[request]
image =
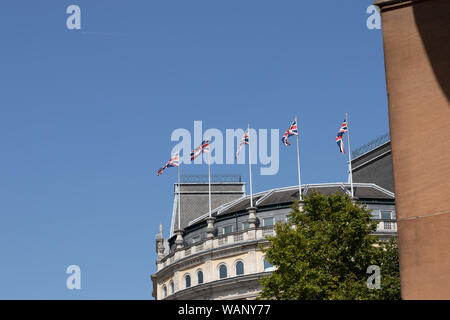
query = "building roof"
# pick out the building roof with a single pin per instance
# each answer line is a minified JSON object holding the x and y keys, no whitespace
{"x":194,"y":200}
{"x":375,"y":166}
{"x":287,"y":195}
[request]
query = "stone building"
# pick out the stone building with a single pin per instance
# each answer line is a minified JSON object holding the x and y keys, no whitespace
{"x":219,"y":256}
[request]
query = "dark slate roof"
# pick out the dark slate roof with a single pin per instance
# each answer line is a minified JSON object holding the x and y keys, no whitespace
{"x":279,"y":196}
{"x":236,"y":206}
{"x":195,"y":200}
{"x":288,"y":195}
{"x":368,"y":192}
{"x":326,"y":190}
{"x":375,"y":166}
{"x":362,"y":191}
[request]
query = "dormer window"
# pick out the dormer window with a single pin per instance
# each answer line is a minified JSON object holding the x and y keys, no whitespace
{"x":227,"y":229}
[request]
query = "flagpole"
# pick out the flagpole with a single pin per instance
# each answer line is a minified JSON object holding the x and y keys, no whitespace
{"x":298,"y":166}
{"x":209,"y":179}
{"x":349,"y":155}
{"x":179,"y":197}
{"x":250,"y":166}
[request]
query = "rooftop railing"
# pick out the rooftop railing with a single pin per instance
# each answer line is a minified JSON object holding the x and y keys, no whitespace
{"x":203,"y":178}
{"x":371,"y":145}
{"x":384,"y":226}
{"x":387,"y":226}
{"x":217,"y":242}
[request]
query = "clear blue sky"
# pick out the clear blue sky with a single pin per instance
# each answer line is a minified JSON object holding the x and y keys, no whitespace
{"x":86,"y":118}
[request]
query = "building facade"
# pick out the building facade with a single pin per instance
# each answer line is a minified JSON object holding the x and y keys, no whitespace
{"x":372,"y":163}
{"x":218,"y":255}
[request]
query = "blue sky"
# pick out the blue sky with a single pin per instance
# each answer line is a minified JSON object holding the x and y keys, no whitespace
{"x":87,"y":115}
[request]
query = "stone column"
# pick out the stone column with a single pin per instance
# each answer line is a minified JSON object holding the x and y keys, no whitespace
{"x":301,"y":205}
{"x":177,"y":282}
{"x":252,"y":263}
{"x":210,"y":229}
{"x":252,"y":223}
{"x":179,"y":239}
{"x":208,"y":274}
{"x":160,"y":244}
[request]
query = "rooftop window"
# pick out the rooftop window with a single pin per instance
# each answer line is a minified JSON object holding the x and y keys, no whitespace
{"x":386,"y":215}
{"x":268,"y":221}
{"x":227,"y":229}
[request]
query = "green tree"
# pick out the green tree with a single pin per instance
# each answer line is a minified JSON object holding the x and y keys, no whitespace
{"x":323,"y":252}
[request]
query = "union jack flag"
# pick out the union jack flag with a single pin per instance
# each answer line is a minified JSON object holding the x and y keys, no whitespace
{"x":244,"y":140}
{"x":173,"y":162}
{"x":340,"y":135}
{"x":204,"y":147}
{"x":340,"y":142}
{"x":344,"y":127}
{"x":292,"y":131}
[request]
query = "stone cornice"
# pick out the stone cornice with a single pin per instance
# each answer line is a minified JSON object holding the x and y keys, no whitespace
{"x":217,"y":285}
{"x":211,"y":253}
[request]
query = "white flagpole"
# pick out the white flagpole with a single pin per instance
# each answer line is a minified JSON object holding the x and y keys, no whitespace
{"x":179,"y":197}
{"x":250,"y":167}
{"x":209,"y":177}
{"x":298,"y":166}
{"x":349,"y":156}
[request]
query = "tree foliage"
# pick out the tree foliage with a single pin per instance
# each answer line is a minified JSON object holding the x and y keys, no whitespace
{"x":323,"y":252}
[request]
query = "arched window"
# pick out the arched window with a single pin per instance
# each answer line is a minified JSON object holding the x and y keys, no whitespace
{"x":164,"y":291}
{"x":239,"y":268}
{"x":172,"y":287}
{"x":187,"y":281}
{"x":223,"y":271}
{"x":268,"y":266}
{"x":200,"y":277}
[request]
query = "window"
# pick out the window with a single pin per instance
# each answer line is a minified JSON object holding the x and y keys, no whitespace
{"x":268,"y":221}
{"x":239,"y":268}
{"x":187,"y":280}
{"x":223,"y":272}
{"x":227,"y":229}
{"x":268,"y":266}
{"x":200,"y":277}
{"x":164,"y":291}
{"x":376,"y":214}
{"x":245,"y":225}
{"x":172,"y":287}
{"x":386,"y":215}
{"x":196,"y":239}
